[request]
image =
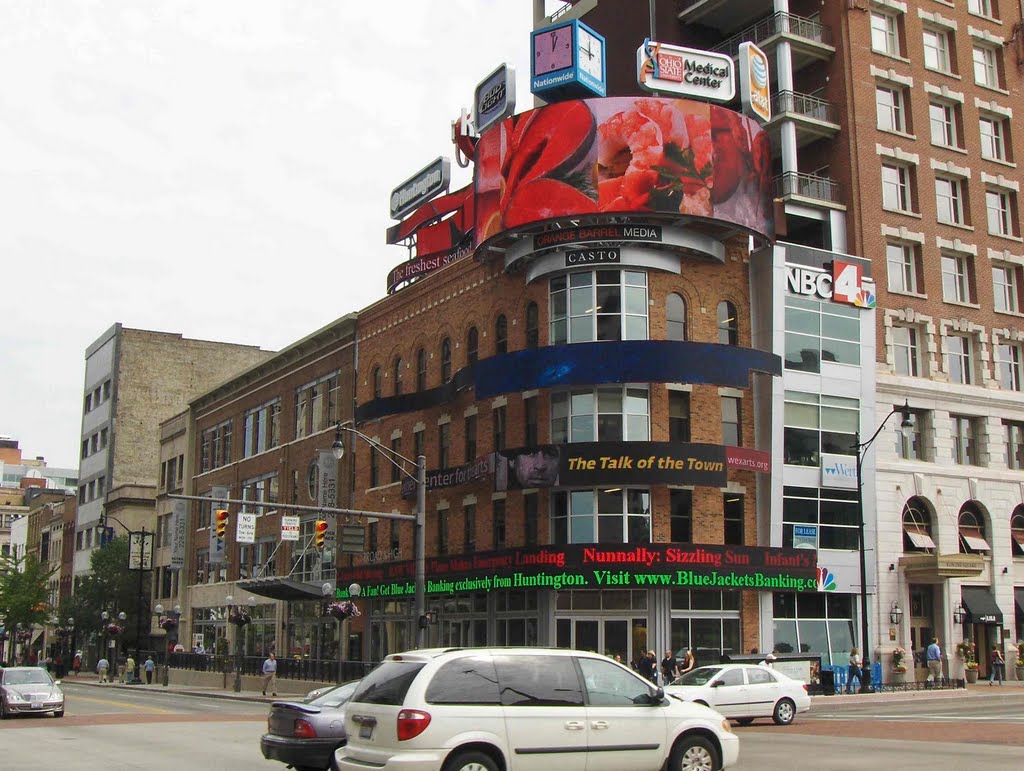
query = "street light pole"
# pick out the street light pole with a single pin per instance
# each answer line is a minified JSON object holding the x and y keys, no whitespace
{"x":419,"y":540}
{"x":862,"y":447}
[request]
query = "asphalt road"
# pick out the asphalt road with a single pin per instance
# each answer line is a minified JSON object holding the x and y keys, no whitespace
{"x":162,"y":730}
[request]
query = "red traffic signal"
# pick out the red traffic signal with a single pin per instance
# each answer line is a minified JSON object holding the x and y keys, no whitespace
{"x":320,"y":533}
{"x":220,"y":517}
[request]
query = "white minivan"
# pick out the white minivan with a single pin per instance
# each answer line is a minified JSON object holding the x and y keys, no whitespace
{"x":525,"y":709}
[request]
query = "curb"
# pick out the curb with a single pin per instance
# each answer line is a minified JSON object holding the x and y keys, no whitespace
{"x":224,"y":696}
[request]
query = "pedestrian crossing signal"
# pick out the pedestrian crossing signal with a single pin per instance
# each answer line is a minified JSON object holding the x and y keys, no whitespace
{"x":320,"y":533}
{"x":221,"y":520}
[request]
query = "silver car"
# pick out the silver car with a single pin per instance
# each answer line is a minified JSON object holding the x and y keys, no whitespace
{"x":305,"y":734}
{"x":29,"y":690}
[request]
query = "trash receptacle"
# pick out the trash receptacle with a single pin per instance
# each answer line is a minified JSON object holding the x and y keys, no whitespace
{"x":827,"y":678}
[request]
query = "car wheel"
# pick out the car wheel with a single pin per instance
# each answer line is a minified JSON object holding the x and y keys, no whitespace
{"x":59,"y":713}
{"x":471,"y":761}
{"x":693,"y":753}
{"x":744,"y":720}
{"x":784,"y":712}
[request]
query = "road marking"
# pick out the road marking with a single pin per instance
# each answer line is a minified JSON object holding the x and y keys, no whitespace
{"x":924,"y":717}
{"x":128,"y":705}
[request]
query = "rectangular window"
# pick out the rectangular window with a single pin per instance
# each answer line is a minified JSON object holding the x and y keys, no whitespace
{"x":885,"y":38}
{"x":600,"y":305}
{"x":443,"y":444}
{"x":104,"y":438}
{"x":910,"y":440}
{"x":949,"y":201}
{"x":732,"y":433}
{"x":732,"y":509}
{"x":261,"y":489}
{"x":531,"y":420}
{"x":817,"y":423}
{"x":531,"y":519}
{"x":957,"y":278}
{"x":942,"y":120}
{"x":1006,"y":288}
{"x":986,"y":66}
{"x":498,"y":427}
{"x":419,"y":443}
{"x":681,"y":525}
{"x":262,"y":428}
{"x":604,"y":414}
{"x":818,"y":331}
{"x":896,"y":187}
{"x":469,"y":429}
{"x":903,"y":261}
{"x":936,"y":50}
{"x":906,"y":354}
{"x":302,"y":412}
{"x":396,"y":448}
{"x":469,"y":528}
{"x":964,"y":440}
{"x":834,"y":511}
{"x":1000,"y":206}
{"x":890,"y":108}
{"x":678,"y":416}
{"x":88,"y":402}
{"x":374,"y":468}
{"x":442,"y":531}
{"x":1008,"y":363}
{"x":959,"y":363}
{"x":498,"y":526}
{"x":982,"y":8}
{"x":1014,"y":444}
{"x":993,"y":138}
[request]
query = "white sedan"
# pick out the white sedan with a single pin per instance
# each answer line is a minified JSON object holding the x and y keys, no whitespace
{"x":744,"y":692}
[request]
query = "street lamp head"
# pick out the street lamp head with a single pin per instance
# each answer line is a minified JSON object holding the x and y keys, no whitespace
{"x":354,"y":590}
{"x":122,"y":616}
{"x":104,"y":615}
{"x":177,"y":610}
{"x":338,"y":448}
{"x":71,"y":620}
{"x":906,"y":422}
{"x":229,"y":600}
{"x":251,"y":601}
{"x":325,"y":589}
{"x":958,"y":613}
{"x":159,"y":609}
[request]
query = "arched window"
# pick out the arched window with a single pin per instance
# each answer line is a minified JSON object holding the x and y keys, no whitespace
{"x":446,"y":360}
{"x":728,"y":324}
{"x":501,"y":335}
{"x":1017,"y":532}
{"x":917,"y":527}
{"x":532,"y":325}
{"x":398,"y":375}
{"x":472,"y":345}
{"x":377,"y":383}
{"x":971,"y":525}
{"x":421,"y":370}
{"x":675,"y":317}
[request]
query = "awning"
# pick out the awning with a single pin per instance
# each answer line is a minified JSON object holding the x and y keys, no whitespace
{"x":920,"y":540}
{"x":980,"y":605}
{"x":974,"y":539}
{"x":283,"y":589}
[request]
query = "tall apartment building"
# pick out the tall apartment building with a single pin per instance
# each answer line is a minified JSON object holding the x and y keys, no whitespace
{"x":893,"y":142}
{"x":134,"y":380}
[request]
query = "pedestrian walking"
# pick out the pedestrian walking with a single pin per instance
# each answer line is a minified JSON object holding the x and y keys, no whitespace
{"x":647,"y":666}
{"x":669,"y":667}
{"x":933,"y":657}
{"x":997,"y":663}
{"x":76,"y":665}
{"x":270,"y":675}
{"x":150,"y":667}
{"x":58,"y":666}
{"x":101,"y":669}
{"x":854,"y":670}
{"x":688,"y":663}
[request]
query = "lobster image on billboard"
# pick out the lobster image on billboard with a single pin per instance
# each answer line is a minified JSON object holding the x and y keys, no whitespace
{"x":624,"y":155}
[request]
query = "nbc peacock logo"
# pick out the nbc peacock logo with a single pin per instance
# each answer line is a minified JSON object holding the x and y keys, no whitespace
{"x":826,"y":580}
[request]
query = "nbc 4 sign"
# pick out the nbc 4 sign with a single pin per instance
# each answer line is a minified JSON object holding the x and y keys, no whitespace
{"x":826,"y":580}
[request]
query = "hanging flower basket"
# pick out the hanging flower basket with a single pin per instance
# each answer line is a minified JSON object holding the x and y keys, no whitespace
{"x":899,"y":659}
{"x":23,"y":635}
{"x":168,"y":623}
{"x":240,"y":617}
{"x":342,"y":609}
{"x":114,"y":629}
{"x":63,"y":631}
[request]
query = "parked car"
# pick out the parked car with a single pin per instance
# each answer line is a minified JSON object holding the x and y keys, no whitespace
{"x":744,"y":692}
{"x":304,"y":734}
{"x":524,"y":709}
{"x":29,"y":690}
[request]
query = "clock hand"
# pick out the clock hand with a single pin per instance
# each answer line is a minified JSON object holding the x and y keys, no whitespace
{"x":554,"y":40}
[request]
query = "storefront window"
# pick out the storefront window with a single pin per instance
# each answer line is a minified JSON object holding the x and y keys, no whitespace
{"x":708,"y":622}
{"x":601,"y":516}
{"x":815,"y":623}
{"x":598,"y":305}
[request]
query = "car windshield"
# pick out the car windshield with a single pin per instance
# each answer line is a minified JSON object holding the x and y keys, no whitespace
{"x":26,"y":677}
{"x":335,"y":697}
{"x":699,"y":676}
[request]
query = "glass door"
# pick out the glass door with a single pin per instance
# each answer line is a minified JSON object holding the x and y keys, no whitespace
{"x":619,"y":638}
{"x":921,"y":627}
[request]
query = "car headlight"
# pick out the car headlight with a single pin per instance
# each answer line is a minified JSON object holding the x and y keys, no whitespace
{"x":13,"y":695}
{"x":726,"y":727}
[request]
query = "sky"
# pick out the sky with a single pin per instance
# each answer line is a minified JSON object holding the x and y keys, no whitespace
{"x":216,"y":168}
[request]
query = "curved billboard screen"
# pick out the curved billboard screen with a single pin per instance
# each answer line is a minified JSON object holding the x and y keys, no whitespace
{"x":624,"y":155}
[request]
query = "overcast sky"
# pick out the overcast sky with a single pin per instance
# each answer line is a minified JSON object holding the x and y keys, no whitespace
{"x":218,"y":168}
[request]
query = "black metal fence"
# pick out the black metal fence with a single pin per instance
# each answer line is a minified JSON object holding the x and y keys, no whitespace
{"x":321,"y":670}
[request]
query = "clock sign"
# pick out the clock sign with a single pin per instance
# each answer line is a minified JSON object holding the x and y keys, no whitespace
{"x":567,"y":62}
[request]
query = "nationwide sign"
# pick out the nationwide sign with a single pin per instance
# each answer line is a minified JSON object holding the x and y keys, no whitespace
{"x":665,"y":68}
{"x":596,"y":566}
{"x":420,"y":188}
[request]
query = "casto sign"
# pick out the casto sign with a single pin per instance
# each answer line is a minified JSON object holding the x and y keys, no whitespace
{"x":592,"y":256}
{"x":597,"y":566}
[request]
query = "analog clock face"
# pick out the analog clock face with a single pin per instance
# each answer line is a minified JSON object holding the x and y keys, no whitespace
{"x":552,"y":50}
{"x":591,"y":55}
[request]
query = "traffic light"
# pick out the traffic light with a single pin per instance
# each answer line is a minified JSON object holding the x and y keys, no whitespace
{"x":320,"y":533}
{"x":221,"y":519}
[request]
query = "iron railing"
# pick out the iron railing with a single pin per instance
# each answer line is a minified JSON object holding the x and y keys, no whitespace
{"x":807,"y":186}
{"x":806,"y":105}
{"x":777,"y":24}
{"x":319,"y":670}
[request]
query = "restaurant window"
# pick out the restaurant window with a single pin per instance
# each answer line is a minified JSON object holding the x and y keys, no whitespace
{"x":971,"y":529}
{"x":586,"y":306}
{"x":917,"y":527}
{"x":614,"y":515}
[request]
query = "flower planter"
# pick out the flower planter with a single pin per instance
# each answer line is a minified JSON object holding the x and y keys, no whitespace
{"x":1019,"y":671}
{"x":971,"y":675}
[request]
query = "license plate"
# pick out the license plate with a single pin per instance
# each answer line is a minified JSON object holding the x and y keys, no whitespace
{"x":365,"y":730}
{"x":37,"y":705}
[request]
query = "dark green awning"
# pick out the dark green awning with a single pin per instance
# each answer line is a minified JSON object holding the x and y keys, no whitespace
{"x":980,"y":606}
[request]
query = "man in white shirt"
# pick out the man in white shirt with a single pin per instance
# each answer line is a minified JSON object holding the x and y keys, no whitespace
{"x":270,"y":675}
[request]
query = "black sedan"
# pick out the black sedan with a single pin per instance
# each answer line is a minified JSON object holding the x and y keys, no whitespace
{"x":305,"y":734}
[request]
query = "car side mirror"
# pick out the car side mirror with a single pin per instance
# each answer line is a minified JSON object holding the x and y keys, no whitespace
{"x":658,"y":696}
{"x":56,"y":682}
{"x":716,"y":684}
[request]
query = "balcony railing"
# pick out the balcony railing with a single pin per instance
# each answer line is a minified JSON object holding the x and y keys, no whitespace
{"x":806,"y":105}
{"x":778,"y":24}
{"x":807,"y":186}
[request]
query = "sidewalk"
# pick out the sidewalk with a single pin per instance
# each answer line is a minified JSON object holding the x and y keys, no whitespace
{"x":285,"y":691}
{"x":981,"y":688}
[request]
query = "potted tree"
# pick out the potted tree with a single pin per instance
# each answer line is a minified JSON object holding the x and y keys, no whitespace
{"x":899,"y":664}
{"x":965,"y":649}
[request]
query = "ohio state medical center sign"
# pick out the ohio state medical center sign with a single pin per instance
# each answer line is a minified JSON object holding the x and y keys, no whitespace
{"x":596,"y":566}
